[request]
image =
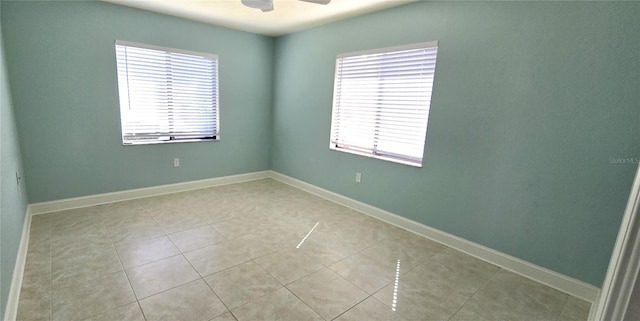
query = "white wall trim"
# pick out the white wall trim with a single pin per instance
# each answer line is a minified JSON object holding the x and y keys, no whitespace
{"x":529,"y":270}
{"x":11,"y":309}
{"x":622,"y":274}
{"x":97,"y":199}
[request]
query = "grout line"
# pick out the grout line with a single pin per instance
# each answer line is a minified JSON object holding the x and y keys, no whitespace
{"x":566,"y":300}
{"x":355,"y":305}
{"x":169,"y":289}
{"x":100,"y":213}
{"x":246,"y":303}
{"x":305,"y":303}
{"x":100,"y":217}
{"x":126,"y":275}
{"x":367,"y":293}
{"x":487,"y":281}
{"x":217,"y":296}
{"x":141,"y":311}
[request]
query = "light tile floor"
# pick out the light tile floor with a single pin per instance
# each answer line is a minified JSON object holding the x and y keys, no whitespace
{"x":261,"y":250}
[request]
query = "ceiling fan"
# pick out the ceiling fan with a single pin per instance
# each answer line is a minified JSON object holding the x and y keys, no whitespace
{"x":267,"y":5}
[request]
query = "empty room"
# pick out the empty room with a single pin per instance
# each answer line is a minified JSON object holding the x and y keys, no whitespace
{"x":318,"y":160}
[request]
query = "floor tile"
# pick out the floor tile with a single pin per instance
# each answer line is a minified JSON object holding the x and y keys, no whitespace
{"x":37,"y":219}
{"x":289,"y":264}
{"x":261,"y":242}
{"x":72,"y":245}
{"x":241,"y":284}
{"x":120,"y":212}
{"x":93,"y":231}
{"x":326,"y":250}
{"x":227,"y":316}
{"x":35,"y":300}
{"x":129,"y":312}
{"x":80,"y":299}
{"x":137,"y":228}
{"x":177,"y":221}
{"x":280,"y":305}
{"x":189,"y":302}
{"x":411,"y":239}
{"x":435,"y":290}
{"x":161,"y":275}
{"x":508,"y":296}
{"x":216,"y":257}
{"x":223,"y":210}
{"x":575,"y":310}
{"x":121,"y":220}
{"x":371,"y":310}
{"x":452,"y":265}
{"x":159,"y":205}
{"x":234,"y":227}
{"x":137,"y":253}
{"x":83,"y":261}
{"x":196,"y":238}
{"x":469,"y":314}
{"x":327,"y":293}
{"x":38,"y":264}
{"x":73,"y":218}
{"x":365,"y":272}
{"x":297,"y":220}
{"x":40,"y":232}
{"x":388,"y":252}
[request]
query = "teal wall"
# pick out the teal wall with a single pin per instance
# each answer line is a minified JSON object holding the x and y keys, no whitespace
{"x":63,"y":77}
{"x":531,"y":101}
{"x":13,"y":206}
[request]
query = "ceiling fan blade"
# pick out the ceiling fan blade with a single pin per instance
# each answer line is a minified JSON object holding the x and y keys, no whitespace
{"x":259,"y":4}
{"x":268,"y":9}
{"x":317,"y":1}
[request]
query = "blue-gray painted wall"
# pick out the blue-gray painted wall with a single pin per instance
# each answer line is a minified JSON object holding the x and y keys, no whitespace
{"x":13,"y":199}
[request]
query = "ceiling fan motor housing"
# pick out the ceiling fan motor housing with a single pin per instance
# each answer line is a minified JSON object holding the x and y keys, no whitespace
{"x":258,"y":4}
{"x":267,"y":5}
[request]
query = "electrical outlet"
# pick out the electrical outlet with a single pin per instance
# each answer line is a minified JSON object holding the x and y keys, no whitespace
{"x":176,"y":162}
{"x":358,"y":177}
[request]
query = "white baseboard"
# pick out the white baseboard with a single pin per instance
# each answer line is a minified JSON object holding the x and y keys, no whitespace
{"x":91,"y":200}
{"x":529,"y":270}
{"x":11,"y":310}
{"x":540,"y":274}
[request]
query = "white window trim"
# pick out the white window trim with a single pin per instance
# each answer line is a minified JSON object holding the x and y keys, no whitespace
{"x":182,"y":51}
{"x":428,"y":44}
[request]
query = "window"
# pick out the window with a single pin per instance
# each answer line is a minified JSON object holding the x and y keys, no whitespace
{"x":166,"y":95}
{"x":381,"y":102}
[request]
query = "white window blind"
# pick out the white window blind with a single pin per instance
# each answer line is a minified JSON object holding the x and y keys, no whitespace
{"x":166,"y":95}
{"x":381,"y":102}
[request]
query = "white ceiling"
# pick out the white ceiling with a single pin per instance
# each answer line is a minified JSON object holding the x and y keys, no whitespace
{"x":288,"y":16}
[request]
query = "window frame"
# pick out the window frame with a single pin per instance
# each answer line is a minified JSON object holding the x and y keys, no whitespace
{"x":171,"y":139}
{"x":371,"y":152}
